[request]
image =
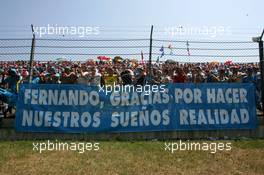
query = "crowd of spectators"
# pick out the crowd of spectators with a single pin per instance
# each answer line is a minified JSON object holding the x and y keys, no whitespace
{"x":125,"y":71}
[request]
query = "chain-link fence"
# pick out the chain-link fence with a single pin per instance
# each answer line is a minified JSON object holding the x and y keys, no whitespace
{"x":199,"y":51}
{"x":162,"y":50}
{"x":245,"y":54}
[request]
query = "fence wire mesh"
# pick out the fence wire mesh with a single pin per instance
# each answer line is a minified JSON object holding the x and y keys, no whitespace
{"x":81,"y":50}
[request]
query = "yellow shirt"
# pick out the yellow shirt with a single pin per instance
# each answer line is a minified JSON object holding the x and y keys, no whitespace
{"x":110,"y":80}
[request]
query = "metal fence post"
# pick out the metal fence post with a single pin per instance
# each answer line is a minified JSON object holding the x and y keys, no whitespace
{"x":261,"y":60}
{"x":31,"y":55}
{"x":150,"y":57}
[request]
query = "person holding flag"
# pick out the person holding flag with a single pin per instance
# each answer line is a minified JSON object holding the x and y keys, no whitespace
{"x":161,"y":55}
{"x":170,"y":47}
{"x":162,"y":51}
{"x":188,"y":49}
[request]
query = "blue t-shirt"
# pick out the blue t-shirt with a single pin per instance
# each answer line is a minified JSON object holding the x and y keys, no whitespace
{"x":249,"y":79}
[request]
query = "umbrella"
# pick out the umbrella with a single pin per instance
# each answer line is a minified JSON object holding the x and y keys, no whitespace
{"x":61,"y":59}
{"x":228,"y":62}
{"x":170,"y":61}
{"x":215,"y":62}
{"x":103,"y":58}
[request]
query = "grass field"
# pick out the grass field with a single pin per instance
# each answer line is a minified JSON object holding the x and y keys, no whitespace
{"x":114,"y":157}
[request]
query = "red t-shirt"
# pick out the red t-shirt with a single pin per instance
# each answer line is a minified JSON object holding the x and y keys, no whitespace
{"x":180,"y":78}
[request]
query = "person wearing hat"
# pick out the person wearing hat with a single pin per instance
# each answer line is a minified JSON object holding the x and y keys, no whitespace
{"x":68,"y":76}
{"x":35,"y":76}
{"x":235,"y":76}
{"x":12,"y":80}
{"x":249,"y":77}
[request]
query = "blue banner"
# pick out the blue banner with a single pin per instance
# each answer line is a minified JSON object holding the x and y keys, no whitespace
{"x":80,"y":108}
